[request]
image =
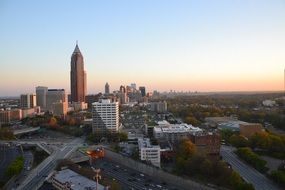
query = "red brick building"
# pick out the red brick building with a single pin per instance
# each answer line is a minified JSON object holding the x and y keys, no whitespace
{"x":208,"y":142}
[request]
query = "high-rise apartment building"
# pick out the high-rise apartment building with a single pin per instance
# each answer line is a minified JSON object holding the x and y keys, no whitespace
{"x":107,"y":88}
{"x":28,"y":101}
{"x":41,"y":93}
{"x":105,"y":115}
{"x":77,"y":76}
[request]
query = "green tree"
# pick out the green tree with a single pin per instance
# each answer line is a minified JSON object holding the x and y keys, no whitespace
{"x":15,"y":167}
{"x":279,"y":177}
{"x":192,"y":120}
{"x":238,"y":141}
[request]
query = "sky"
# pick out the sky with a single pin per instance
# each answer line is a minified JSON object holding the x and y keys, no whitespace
{"x":189,"y":45}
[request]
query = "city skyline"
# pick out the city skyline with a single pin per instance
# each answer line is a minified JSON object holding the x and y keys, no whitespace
{"x":183,"y":45}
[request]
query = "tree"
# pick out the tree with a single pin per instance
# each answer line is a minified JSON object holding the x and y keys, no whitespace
{"x":115,"y":185}
{"x":238,"y":141}
{"x":192,"y":120}
{"x":15,"y":167}
{"x":6,"y":134}
{"x":53,"y":122}
{"x":186,"y":149}
{"x":278,"y":176}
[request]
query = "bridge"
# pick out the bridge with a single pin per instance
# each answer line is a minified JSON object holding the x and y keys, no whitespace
{"x":25,"y":130}
{"x":80,"y":159}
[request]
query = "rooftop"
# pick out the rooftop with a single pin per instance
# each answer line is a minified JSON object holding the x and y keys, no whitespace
{"x":76,"y":181}
{"x":165,"y":127}
{"x":145,"y":143}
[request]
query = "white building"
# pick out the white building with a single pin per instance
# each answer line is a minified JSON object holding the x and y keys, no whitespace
{"x":149,"y":152}
{"x":105,"y":115}
{"x":70,"y":180}
{"x":173,"y":132}
{"x":269,"y":103}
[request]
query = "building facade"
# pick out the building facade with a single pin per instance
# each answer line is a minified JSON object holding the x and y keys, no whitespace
{"x":148,"y":152}
{"x":56,"y":101}
{"x":41,"y":93}
{"x":142,"y":90}
{"x":105,"y":115}
{"x":107,"y":88}
{"x":5,"y":117}
{"x":160,"y":107}
{"x":207,"y":142}
{"x":77,"y":76}
{"x":28,"y":101}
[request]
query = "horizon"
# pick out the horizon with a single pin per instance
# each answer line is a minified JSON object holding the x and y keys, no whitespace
{"x":204,"y":46}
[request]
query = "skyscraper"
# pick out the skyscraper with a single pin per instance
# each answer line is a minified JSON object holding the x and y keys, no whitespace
{"x":28,"y":100}
{"x":77,"y":76}
{"x":142,"y":90}
{"x":41,"y":93}
{"x":107,"y":88}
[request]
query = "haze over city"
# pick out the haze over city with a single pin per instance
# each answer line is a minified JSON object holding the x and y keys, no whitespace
{"x":163,"y":45}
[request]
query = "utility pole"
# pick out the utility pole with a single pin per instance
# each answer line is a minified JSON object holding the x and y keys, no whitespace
{"x":97,"y":176}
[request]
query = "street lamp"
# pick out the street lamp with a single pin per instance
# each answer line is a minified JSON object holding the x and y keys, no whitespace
{"x":97,"y":176}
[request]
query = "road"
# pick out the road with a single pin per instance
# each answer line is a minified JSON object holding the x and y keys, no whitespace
{"x":39,"y":174}
{"x":7,"y":154}
{"x":130,"y":178}
{"x":259,"y":181}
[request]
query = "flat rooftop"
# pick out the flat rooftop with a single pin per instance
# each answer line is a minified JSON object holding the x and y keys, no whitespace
{"x":76,"y":181}
{"x":176,"y":128}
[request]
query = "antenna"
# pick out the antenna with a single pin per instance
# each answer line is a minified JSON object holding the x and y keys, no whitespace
{"x":76,"y":42}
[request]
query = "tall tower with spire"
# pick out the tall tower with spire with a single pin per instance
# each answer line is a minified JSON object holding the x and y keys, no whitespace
{"x":77,"y":76}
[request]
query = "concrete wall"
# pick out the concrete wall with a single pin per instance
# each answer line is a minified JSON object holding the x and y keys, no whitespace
{"x":183,"y":184}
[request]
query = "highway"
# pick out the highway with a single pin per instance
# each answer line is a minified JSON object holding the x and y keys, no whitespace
{"x":39,"y":174}
{"x":249,"y":174}
{"x":130,"y":178}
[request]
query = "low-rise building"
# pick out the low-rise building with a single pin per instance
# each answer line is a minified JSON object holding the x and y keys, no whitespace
{"x":207,"y":142}
{"x":148,"y":152}
{"x":174,"y":132}
{"x":70,"y":180}
{"x":5,"y":117}
{"x":250,"y":129}
{"x":16,"y":114}
{"x":78,"y":106}
{"x":244,"y":128}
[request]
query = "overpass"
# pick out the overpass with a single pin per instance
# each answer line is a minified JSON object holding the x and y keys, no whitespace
{"x":80,"y":159}
{"x":31,"y":143}
{"x":25,"y":130}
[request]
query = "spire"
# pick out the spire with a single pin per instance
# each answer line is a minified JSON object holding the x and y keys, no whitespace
{"x":76,"y":50}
